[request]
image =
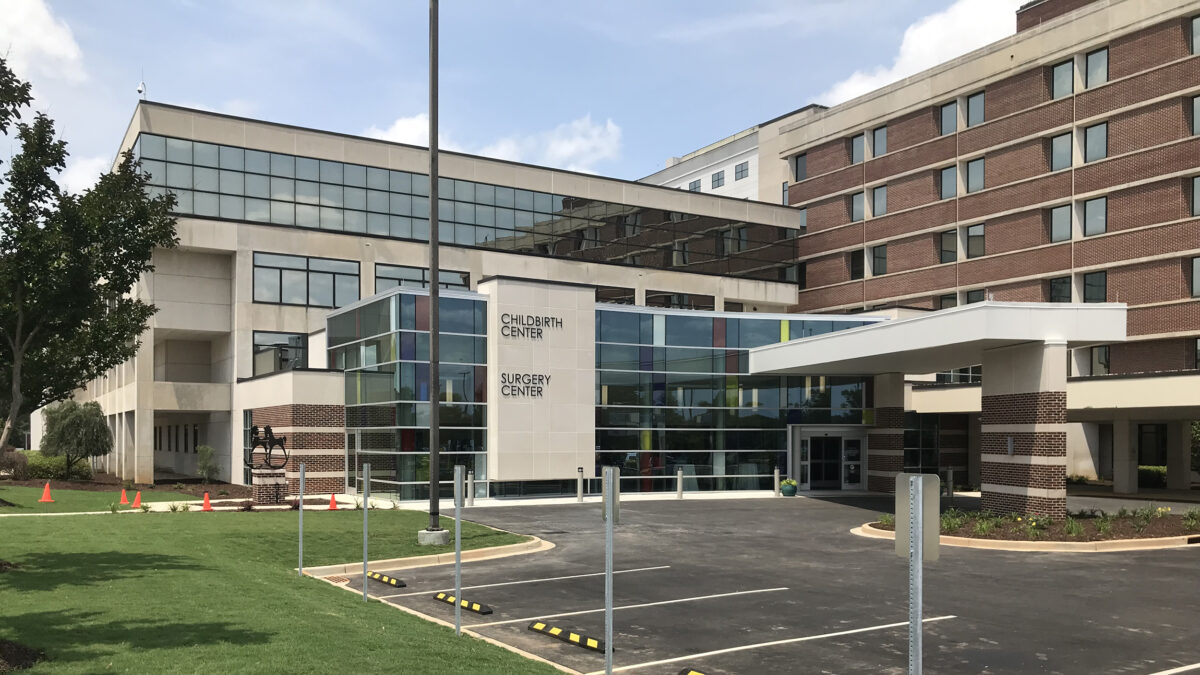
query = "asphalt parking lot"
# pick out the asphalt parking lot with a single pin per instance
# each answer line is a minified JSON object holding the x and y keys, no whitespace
{"x":781,"y":586}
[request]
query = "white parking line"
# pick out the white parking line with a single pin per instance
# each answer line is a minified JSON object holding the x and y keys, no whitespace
{"x":525,"y":581}
{"x":774,"y":643}
{"x":644,"y":604}
{"x":1180,"y":669}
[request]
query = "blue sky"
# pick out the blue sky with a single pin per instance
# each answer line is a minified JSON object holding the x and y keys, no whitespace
{"x":610,"y":87}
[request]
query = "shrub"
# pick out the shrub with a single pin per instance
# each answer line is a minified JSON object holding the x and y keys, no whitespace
{"x":115,"y":507}
{"x":1072,"y":527}
{"x":206,"y":466}
{"x":1152,"y":476}
{"x":126,"y":485}
{"x":984,"y":526}
{"x":1076,"y":479}
{"x":15,"y":464}
{"x":953,"y":519}
{"x":1191,"y":519}
{"x":1104,"y":524}
{"x":41,"y":467}
{"x":173,"y":507}
{"x":887,"y":520}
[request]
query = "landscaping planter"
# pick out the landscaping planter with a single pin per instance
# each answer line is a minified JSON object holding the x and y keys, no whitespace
{"x":788,"y":490}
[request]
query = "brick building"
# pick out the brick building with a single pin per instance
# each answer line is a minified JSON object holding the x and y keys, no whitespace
{"x":1061,"y":164}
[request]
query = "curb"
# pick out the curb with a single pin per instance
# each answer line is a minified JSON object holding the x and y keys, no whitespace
{"x":534,"y":545}
{"x":1150,"y":544}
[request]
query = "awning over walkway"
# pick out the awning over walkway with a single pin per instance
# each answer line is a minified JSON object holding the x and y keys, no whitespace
{"x":942,"y":340}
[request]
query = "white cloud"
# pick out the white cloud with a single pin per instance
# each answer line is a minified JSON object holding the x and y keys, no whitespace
{"x":962,"y":27}
{"x":82,"y":172}
{"x":37,"y":44}
{"x":577,"y":145}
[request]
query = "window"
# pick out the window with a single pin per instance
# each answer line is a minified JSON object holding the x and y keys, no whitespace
{"x":1060,"y":223}
{"x":784,"y":199}
{"x":296,"y":280}
{"x":1100,"y":360}
{"x":694,"y":186}
{"x":1195,"y":35}
{"x":975,"y":296}
{"x":681,"y":253}
{"x":1095,"y":142}
{"x":1095,"y":216}
{"x":879,"y":142}
{"x":975,"y":175}
{"x":949,"y":118}
{"x":803,"y":220}
{"x":1062,"y":79}
{"x":947,"y":301}
{"x":975,"y":246}
{"x":1196,"y":115}
{"x":1097,"y":68}
{"x":800,"y":167}
{"x":879,"y":259}
{"x":949,"y":246}
{"x":795,"y":273}
{"x":274,"y":352}
{"x":879,"y":201}
{"x":1196,"y":278}
{"x":1095,"y":287}
{"x":741,"y":171}
{"x":1060,"y":152}
{"x":1060,"y":289}
{"x":856,"y":207}
{"x":856,"y":148}
{"x":391,"y":276}
{"x":1196,"y":196}
{"x":718,"y":179}
{"x":975,"y":114}
{"x":949,"y":182}
{"x":856,"y":264}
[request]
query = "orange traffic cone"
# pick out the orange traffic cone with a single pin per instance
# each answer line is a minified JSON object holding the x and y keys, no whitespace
{"x":332,"y":500}
{"x":124,"y":497}
{"x":137,"y":500}
{"x":207,"y":506}
{"x":46,"y":493}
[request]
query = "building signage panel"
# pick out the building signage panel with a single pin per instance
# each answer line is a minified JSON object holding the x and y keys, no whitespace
{"x":542,"y":380}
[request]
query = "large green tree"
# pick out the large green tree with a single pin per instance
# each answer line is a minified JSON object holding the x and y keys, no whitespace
{"x":68,"y":263}
{"x":75,"y":432}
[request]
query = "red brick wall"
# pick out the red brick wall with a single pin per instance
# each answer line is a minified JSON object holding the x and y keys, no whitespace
{"x":1016,"y":231}
{"x":1147,"y":48}
{"x":912,"y":191}
{"x":1157,"y":281}
{"x":1152,"y":356}
{"x":1016,"y":162}
{"x":1014,"y":94}
{"x":830,"y":269}
{"x":1151,"y":125}
{"x":1043,"y":407}
{"x":828,"y":156}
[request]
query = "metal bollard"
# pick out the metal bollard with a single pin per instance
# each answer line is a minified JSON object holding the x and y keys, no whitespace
{"x":776,"y":481}
{"x":470,"y":488}
{"x":679,"y":483}
{"x":579,"y":486}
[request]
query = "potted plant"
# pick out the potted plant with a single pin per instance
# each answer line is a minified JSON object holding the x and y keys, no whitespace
{"x":787,"y":487}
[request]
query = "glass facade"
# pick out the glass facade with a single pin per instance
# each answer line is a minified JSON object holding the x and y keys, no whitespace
{"x":383,"y":347}
{"x":673,"y":393}
{"x":240,"y":184}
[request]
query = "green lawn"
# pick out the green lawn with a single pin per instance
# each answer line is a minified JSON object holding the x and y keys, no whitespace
{"x":67,"y":501}
{"x":218,"y":592}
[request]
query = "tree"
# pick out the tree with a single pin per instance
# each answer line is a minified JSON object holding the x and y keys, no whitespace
{"x":75,"y":431}
{"x":206,"y":466}
{"x":68,"y":264}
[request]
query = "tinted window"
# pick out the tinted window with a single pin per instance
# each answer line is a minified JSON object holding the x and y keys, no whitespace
{"x":949,"y":182}
{"x":975,"y":175}
{"x":879,"y":201}
{"x":1060,"y":289}
{"x":975,"y":246}
{"x":1095,"y":216}
{"x":1060,"y":152}
{"x":975,"y":112}
{"x":1095,"y":287}
{"x":1095,"y":142}
{"x":949,"y":118}
{"x":856,"y":207}
{"x":856,"y":149}
{"x":1060,"y":223}
{"x":1062,"y":79}
{"x":879,"y":141}
{"x":949,"y":246}
{"x":1097,"y":68}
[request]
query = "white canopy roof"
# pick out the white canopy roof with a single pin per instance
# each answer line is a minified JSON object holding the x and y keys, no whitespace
{"x":942,"y":340}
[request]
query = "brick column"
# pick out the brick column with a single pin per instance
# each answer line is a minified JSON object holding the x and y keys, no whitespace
{"x":270,"y":486}
{"x":885,"y":440}
{"x":1023,"y":430}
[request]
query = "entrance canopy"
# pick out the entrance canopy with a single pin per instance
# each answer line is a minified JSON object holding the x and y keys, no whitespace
{"x":942,"y":340}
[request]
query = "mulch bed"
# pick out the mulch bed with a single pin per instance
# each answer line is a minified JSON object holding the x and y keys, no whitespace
{"x":104,"y":482}
{"x":1128,"y":527}
{"x":16,"y":656}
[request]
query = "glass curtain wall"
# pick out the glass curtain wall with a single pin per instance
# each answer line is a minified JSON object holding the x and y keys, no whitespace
{"x":240,"y":184}
{"x":383,"y":346}
{"x":673,"y":393}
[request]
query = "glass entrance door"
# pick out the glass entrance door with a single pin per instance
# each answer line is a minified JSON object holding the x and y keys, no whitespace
{"x":825,"y":470}
{"x":852,"y":463}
